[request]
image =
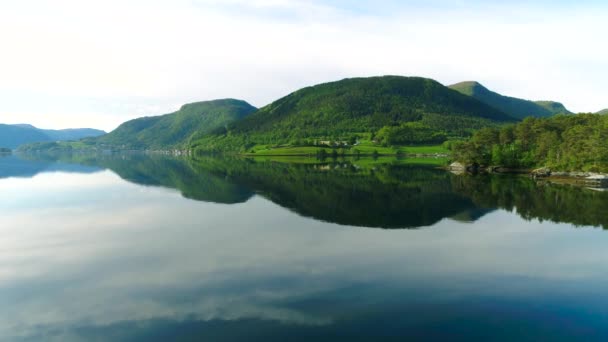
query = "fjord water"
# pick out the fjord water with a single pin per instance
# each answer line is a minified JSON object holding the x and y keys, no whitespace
{"x":145,"y":248}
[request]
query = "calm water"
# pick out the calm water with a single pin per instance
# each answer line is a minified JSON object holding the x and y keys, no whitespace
{"x":135,"y":248}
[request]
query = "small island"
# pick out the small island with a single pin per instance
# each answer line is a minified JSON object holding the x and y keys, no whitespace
{"x":4,"y":150}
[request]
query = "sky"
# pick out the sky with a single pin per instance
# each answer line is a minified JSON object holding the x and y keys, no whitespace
{"x":70,"y":63}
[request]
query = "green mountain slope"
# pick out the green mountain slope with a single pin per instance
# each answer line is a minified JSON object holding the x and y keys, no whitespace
{"x":603,"y":111}
{"x":12,"y":136}
{"x":553,"y":107}
{"x":356,"y":105}
{"x":513,"y":106}
{"x":192,"y":120}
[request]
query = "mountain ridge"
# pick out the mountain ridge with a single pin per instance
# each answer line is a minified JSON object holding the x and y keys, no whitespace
{"x":385,"y":111}
{"x":513,"y":106}
{"x":176,"y":128}
{"x":355,"y":105}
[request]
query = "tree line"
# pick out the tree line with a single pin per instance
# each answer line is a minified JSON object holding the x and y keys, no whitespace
{"x":565,"y":142}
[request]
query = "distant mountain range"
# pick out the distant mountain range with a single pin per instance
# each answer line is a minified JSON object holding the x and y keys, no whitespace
{"x":515,"y":107}
{"x":12,"y":136}
{"x":603,"y":112}
{"x":354,"y":108}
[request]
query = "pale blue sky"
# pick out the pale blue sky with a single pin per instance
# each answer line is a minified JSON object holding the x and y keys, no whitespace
{"x":70,"y":63}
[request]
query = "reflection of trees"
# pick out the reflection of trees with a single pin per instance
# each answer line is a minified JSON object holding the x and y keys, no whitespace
{"x":160,"y":170}
{"x":387,"y":196}
{"x":544,"y":201}
{"x":391,"y":195}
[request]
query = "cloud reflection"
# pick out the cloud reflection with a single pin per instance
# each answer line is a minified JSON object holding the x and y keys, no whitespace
{"x":113,"y":252}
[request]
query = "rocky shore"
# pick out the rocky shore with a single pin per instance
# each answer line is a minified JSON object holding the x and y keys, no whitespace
{"x":591,"y":179}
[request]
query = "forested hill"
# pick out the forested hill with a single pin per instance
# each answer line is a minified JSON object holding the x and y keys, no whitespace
{"x":171,"y":130}
{"x":553,"y":107}
{"x":357,"y":105}
{"x":564,"y":142}
{"x":513,"y":106}
{"x":12,"y":136}
{"x":603,"y":112}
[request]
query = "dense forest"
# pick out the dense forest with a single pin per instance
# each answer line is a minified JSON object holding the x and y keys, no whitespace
{"x":337,"y":110}
{"x":564,"y":142}
{"x":409,"y":133}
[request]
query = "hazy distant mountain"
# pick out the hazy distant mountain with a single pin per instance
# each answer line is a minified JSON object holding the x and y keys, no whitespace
{"x":603,"y":111}
{"x":11,"y":136}
{"x":24,"y":126}
{"x":72,"y":133}
{"x":513,"y":106}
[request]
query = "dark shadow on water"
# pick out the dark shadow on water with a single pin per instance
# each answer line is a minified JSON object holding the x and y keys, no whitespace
{"x":395,"y":194}
{"x":539,"y":200}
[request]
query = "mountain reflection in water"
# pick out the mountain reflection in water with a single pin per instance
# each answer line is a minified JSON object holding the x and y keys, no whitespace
{"x":137,"y":247}
{"x":392,"y":194}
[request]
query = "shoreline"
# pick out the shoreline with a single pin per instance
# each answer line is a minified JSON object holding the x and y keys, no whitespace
{"x":329,"y":155}
{"x":579,"y":178}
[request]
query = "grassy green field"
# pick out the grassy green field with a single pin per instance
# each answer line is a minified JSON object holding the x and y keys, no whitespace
{"x":364,"y":148}
{"x":361,"y":162}
{"x":367,"y":162}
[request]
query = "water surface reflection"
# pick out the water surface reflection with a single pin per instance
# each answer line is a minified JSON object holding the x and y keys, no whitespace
{"x":90,"y":256}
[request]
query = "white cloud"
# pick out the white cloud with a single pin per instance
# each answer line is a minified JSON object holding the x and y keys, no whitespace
{"x":159,"y":54}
